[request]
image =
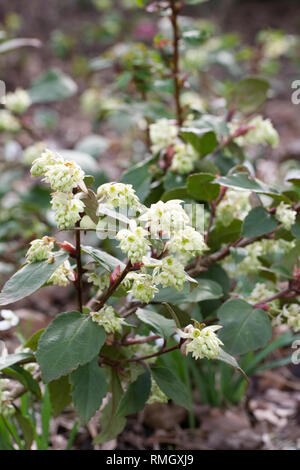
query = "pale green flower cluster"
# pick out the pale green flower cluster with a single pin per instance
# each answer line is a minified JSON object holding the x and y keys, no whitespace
{"x":260,"y":292}
{"x":8,"y":122}
{"x":193,"y":101}
{"x":201,"y":343}
{"x":33,"y":152}
{"x":109,"y":319}
{"x":285,"y":215}
{"x":67,"y":208}
{"x":234,"y":205}
{"x":99,"y":281}
{"x":156,"y":394}
{"x":18,"y":102}
{"x":63,"y":177}
{"x":261,"y":132}
{"x":40,"y":250}
{"x":6,"y":407}
{"x":142,"y":287}
{"x":170,"y":273}
{"x":165,"y":218}
{"x":118,"y":195}
{"x":62,"y":276}
{"x":134,"y":242}
{"x":184,"y":158}
{"x":276,"y":43}
{"x":187,"y":242}
{"x":292,"y":314}
{"x":163,"y":134}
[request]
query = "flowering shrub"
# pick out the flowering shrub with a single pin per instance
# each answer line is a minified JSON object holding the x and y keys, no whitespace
{"x":199,"y":258}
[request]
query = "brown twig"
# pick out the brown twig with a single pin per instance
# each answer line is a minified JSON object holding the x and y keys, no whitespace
{"x":114,"y":285}
{"x":175,"y":62}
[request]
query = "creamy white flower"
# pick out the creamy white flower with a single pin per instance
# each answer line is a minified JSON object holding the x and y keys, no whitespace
{"x":260,"y":292}
{"x":201,"y":343}
{"x":165,"y":218}
{"x":142,"y":287}
{"x":64,"y":176}
{"x":234,"y":205}
{"x":292,"y":313}
{"x":40,"y":249}
{"x":33,"y":152}
{"x":67,"y":209}
{"x":162,"y":134}
{"x":41,"y":164}
{"x":261,"y":132}
{"x":18,"y":101}
{"x":193,"y":101}
{"x":170,"y":273}
{"x":134,"y":242}
{"x":10,"y":319}
{"x":109,"y":319}
{"x":187,"y":242}
{"x":184,"y":158}
{"x":285,"y":215}
{"x":99,"y":281}
{"x":6,"y":407}
{"x":118,"y":195}
{"x":8,"y":122}
{"x":156,"y":394}
{"x":62,"y":276}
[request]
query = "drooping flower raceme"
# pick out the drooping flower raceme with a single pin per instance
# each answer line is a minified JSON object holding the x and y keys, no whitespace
{"x":292,"y":313}
{"x":170,"y":273}
{"x":41,"y":164}
{"x":162,"y":134}
{"x":109,"y":319}
{"x":40,"y":249}
{"x":18,"y":101}
{"x":6,"y":408}
{"x":62,"y":276}
{"x":261,"y":131}
{"x":187,"y":242}
{"x":234,"y":205}
{"x":201,"y":343}
{"x":165,"y":218}
{"x":184,"y":158}
{"x":64,"y":176}
{"x":134,"y":242}
{"x":142,"y":287}
{"x":286,"y":215}
{"x":8,"y":122}
{"x":67,"y":208}
{"x":118,"y":195}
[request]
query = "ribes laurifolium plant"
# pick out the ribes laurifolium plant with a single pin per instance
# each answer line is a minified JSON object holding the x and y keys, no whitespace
{"x":191,"y":255}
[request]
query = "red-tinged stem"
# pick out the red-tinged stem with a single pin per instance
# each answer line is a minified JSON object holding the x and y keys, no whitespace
{"x":79,"y":269}
{"x":176,"y":72}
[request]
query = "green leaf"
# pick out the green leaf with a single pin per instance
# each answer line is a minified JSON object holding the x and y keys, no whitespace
{"x":29,"y":279}
{"x":295,"y":229}
{"x":248,"y":94}
{"x":140,"y":178}
{"x":54,"y":85}
{"x":25,"y":378}
{"x":225,"y":234}
{"x":172,"y":386}
{"x":206,"y":290}
{"x":108,"y":262}
{"x":245,"y":328}
{"x":242,"y":181}
{"x":91,"y":205}
{"x":17,"y":358}
{"x":199,"y":186}
{"x":60,"y":394}
{"x":176,"y":193}
{"x":32,"y":343}
{"x":71,"y":340}
{"x":228,"y":359}
{"x":204,"y":140}
{"x":163,"y":326}
{"x":111,"y":424}
{"x":136,"y":395}
{"x":26,"y":428}
{"x":258,"y":222}
{"x":88,"y":389}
